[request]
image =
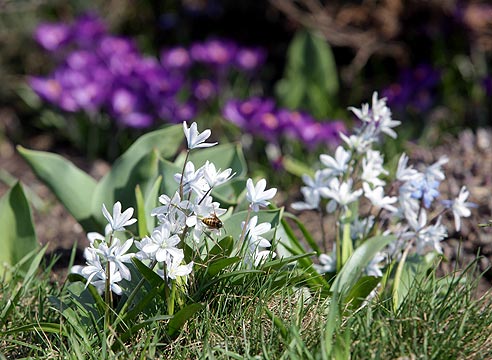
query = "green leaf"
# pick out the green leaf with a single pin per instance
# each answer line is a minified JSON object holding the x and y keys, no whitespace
{"x":141,"y":218}
{"x":296,"y":167}
{"x":217,"y":266}
{"x":224,"y":247}
{"x":72,"y":186}
{"x":138,"y":165}
{"x":353,"y":268}
{"x":149,"y":274}
{"x":310,"y":80}
{"x":223,"y":157}
{"x":181,"y":317}
{"x":43,"y":327}
{"x":18,"y":235}
{"x":151,"y":198}
{"x":410,"y":269}
{"x":119,"y":184}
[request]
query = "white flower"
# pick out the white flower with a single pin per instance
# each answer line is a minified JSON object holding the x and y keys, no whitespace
{"x":372,"y":168}
{"x":119,"y":220}
{"x":340,"y":193}
{"x":374,"y":266}
{"x":255,"y":232}
{"x":378,"y":118}
{"x":194,"y":139}
{"x":377,"y":198}
{"x":404,"y":172}
{"x":311,"y":199}
{"x":116,"y":254}
{"x":114,"y":279}
{"x":460,"y":207}
{"x":163,"y":245}
{"x":257,"y":196}
{"x":431,"y":236}
{"x":360,"y":143}
{"x":216,"y":177}
{"x":327,"y":263}
{"x":434,"y":172}
{"x":338,"y":164}
{"x":175,"y":269}
{"x":192,"y":180}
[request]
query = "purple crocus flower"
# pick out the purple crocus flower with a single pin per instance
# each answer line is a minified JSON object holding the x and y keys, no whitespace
{"x":128,"y":108}
{"x":88,"y":29}
{"x":52,"y":36}
{"x":414,"y":88}
{"x":49,"y":89}
{"x":204,"y":89}
{"x":250,"y":59}
{"x":214,"y":52}
{"x":176,"y":58}
{"x":241,"y":112}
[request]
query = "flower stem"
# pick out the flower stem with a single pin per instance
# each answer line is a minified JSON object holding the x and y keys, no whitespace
{"x":243,"y":232}
{"x":170,"y":299}
{"x":181,"y":185}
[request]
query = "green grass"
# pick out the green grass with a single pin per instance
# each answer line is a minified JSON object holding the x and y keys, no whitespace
{"x":440,"y":319}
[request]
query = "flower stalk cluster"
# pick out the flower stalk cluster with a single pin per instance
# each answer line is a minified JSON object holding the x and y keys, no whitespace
{"x":354,"y":185}
{"x":189,"y":217}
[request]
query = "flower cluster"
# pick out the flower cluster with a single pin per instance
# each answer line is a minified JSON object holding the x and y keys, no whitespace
{"x":356,"y":175}
{"x":260,"y":117}
{"x":101,"y":72}
{"x":106,"y":258}
{"x":189,"y":216}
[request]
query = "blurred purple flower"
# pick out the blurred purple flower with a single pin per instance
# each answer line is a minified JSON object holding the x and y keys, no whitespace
{"x":88,"y":29}
{"x":52,"y":36}
{"x":214,"y":52}
{"x":176,"y":58}
{"x":49,"y":89}
{"x":250,"y":59}
{"x":414,"y":88}
{"x":128,"y":108}
{"x":204,"y":89}
{"x":241,"y":112}
{"x":487,"y":85}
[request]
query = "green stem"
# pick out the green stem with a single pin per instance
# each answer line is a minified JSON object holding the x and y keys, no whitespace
{"x":170,"y":299}
{"x":243,"y":232}
{"x":129,"y":301}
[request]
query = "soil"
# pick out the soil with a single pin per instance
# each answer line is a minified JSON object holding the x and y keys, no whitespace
{"x":470,"y":164}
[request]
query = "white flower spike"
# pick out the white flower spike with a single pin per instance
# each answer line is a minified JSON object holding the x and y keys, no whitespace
{"x":194,"y":139}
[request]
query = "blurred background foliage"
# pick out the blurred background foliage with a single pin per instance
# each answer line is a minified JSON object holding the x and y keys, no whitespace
{"x":431,"y":59}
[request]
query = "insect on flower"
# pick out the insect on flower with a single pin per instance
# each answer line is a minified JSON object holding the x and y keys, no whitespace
{"x":213,"y":222}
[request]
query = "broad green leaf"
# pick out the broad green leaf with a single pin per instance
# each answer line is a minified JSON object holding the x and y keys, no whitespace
{"x":138,"y":165}
{"x":232,"y":225}
{"x":119,"y":184}
{"x":296,"y":167}
{"x":361,"y":290}
{"x":18,"y":235}
{"x":149,"y":274}
{"x":167,"y":170}
{"x":141,"y":218}
{"x":181,"y":317}
{"x":151,"y":201}
{"x":310,"y":80}
{"x":410,"y":269}
{"x":344,"y":283}
{"x":355,"y":265}
{"x":72,"y":186}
